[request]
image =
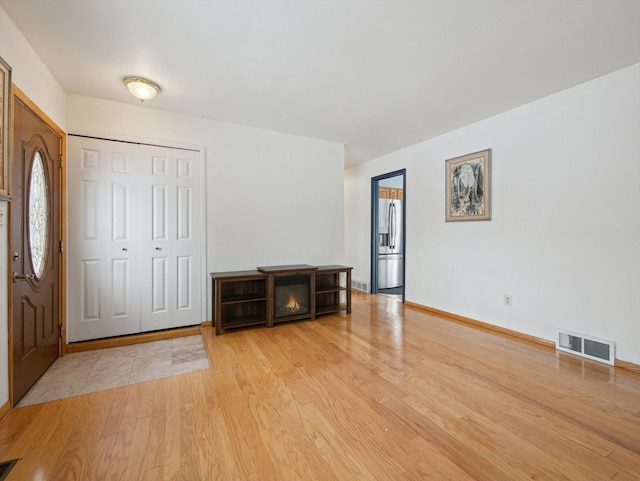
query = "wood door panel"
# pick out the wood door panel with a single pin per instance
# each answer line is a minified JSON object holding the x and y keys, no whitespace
{"x":49,"y":318}
{"x":35,"y":262}
{"x":28,"y":342}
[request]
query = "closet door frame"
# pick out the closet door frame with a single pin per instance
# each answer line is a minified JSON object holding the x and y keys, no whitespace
{"x":199,"y":211}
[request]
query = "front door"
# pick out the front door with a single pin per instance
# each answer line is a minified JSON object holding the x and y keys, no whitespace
{"x":35,"y":248}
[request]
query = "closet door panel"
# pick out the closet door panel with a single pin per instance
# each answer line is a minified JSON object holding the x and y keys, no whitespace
{"x":158,"y":272}
{"x":184,"y":213}
{"x":122,"y":287}
{"x":90,"y":290}
{"x":175,"y":236}
{"x":159,"y":286}
{"x":103,"y":300}
{"x":159,"y":209}
{"x":184,"y":287}
{"x":188,"y":289}
{"x":120,"y":208}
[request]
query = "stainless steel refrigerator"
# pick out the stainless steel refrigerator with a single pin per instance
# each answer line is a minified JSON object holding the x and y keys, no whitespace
{"x":390,"y":255}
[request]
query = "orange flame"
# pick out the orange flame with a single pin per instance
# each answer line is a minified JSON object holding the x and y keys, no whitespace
{"x":292,"y":305}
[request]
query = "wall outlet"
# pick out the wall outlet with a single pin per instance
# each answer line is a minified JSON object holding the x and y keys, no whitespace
{"x":507,"y":300}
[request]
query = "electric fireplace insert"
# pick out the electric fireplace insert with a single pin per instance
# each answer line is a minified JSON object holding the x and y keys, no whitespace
{"x":292,"y":295}
{"x":292,"y":290}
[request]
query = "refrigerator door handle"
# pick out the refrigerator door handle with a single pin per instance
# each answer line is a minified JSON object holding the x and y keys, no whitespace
{"x":392,"y":225}
{"x":389,"y":219}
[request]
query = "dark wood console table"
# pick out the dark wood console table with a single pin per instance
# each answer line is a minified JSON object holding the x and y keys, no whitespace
{"x":246,"y":298}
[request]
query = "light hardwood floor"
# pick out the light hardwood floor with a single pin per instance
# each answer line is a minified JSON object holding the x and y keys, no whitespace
{"x":387,"y":393}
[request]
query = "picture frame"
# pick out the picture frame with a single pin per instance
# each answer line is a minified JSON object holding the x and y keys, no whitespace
{"x":468,"y":187}
{"x":5,"y":123}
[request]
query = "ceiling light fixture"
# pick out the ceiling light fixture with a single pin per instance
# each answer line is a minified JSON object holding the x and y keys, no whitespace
{"x":142,"y":89}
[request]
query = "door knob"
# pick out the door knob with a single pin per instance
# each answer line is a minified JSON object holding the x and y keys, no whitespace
{"x":21,"y":277}
{"x":158,"y":248}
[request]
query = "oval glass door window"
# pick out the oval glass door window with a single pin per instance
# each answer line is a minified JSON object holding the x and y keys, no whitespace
{"x":38,"y":216}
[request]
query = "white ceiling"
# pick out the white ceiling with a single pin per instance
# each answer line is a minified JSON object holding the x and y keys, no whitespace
{"x":377,"y":76}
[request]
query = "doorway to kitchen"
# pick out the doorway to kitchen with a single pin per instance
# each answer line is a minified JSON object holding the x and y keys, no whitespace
{"x":388,"y":227}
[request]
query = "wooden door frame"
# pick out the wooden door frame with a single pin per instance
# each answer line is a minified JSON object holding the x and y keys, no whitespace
{"x":62,"y":345}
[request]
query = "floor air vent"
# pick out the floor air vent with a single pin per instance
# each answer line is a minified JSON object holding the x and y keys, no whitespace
{"x":5,"y":467}
{"x":586,"y":346}
{"x":361,"y":286}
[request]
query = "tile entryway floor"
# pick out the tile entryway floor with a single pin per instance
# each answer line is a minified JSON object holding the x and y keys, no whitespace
{"x":85,"y":372}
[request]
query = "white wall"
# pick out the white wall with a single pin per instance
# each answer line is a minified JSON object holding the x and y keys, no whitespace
{"x":29,"y":73}
{"x":271,"y":198}
{"x":565,"y":235}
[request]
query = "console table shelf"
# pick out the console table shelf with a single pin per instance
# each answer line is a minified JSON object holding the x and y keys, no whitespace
{"x":329,"y":308}
{"x":240,"y":299}
{"x":333,"y":289}
{"x":243,"y":321}
{"x":245,"y":298}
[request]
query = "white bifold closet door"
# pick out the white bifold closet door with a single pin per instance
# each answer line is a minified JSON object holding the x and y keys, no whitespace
{"x":134,"y":256}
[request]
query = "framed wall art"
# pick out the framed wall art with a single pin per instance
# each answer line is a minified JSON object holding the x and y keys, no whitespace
{"x":5,"y":120}
{"x":468,"y":188}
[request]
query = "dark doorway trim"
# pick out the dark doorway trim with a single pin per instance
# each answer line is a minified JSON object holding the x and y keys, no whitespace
{"x":375,"y":184}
